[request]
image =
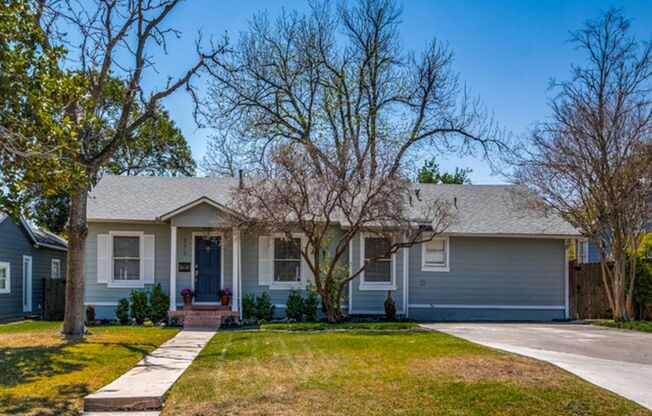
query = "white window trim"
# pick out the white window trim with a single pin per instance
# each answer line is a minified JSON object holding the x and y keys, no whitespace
{"x":431,"y":267}
{"x":301,"y":284}
{"x":133,"y":284}
{"x":369,"y":286}
{"x":52,"y":263}
{"x":7,"y":266}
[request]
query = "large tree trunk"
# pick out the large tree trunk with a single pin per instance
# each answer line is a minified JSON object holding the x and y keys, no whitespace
{"x":620,"y":308}
{"x":73,"y":323}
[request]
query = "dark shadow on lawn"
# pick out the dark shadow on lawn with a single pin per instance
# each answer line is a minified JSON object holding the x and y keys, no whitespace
{"x":68,"y":397}
{"x":22,"y":364}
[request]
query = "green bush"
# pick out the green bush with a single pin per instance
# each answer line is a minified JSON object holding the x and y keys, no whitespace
{"x":159,"y":303}
{"x":249,"y":307}
{"x":310,"y":304}
{"x":294,"y":306}
{"x":122,"y":311}
{"x":257,"y":308}
{"x":264,"y":307}
{"x":139,"y":306}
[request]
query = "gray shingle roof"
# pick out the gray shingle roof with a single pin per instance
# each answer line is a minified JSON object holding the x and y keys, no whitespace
{"x":46,"y":237}
{"x":480,"y":209}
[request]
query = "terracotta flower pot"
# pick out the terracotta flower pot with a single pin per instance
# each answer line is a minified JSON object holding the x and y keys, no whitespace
{"x":225,"y":299}
{"x":187,"y":300}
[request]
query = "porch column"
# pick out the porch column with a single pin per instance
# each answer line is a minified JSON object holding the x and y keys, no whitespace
{"x":173,"y":267}
{"x":235,"y":302}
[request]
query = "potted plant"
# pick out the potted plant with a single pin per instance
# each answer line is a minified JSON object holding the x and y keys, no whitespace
{"x":187,"y":294}
{"x":225,"y":296}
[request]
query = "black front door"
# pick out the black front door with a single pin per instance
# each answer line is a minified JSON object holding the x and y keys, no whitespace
{"x":208,"y":261}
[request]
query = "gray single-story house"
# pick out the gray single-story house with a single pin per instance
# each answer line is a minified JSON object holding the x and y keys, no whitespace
{"x":498,"y":261}
{"x":27,"y":256}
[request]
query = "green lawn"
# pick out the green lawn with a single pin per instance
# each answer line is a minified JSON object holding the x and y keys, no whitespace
{"x":367,"y":372}
{"x":643,"y":326}
{"x":322,"y":326}
{"x":44,"y":373}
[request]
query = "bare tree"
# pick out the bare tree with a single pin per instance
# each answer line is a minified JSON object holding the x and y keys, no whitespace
{"x":108,"y":37}
{"x":592,"y":162}
{"x":341,"y":122}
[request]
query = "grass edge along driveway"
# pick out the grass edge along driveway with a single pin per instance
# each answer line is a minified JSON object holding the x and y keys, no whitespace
{"x":44,"y":373}
{"x":377,"y":372}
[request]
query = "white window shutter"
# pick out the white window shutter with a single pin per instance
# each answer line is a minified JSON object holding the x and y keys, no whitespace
{"x":148,"y":259}
{"x":265,"y":260}
{"x":103,"y":258}
{"x":307,"y":275}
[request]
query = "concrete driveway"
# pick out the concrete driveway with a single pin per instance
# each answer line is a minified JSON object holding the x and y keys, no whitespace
{"x":615,"y":359}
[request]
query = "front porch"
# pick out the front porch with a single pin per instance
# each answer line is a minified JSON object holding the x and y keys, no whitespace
{"x":205,"y":257}
{"x":203,"y":316}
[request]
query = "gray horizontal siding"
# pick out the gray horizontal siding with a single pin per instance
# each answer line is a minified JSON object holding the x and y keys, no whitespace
{"x":14,"y":244}
{"x":100,"y":293}
{"x":491,"y":271}
{"x":373,"y":301}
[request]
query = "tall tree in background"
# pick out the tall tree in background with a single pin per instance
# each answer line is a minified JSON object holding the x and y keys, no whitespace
{"x":157,"y":147}
{"x":339,"y":123}
{"x":109,"y":39}
{"x":593,"y":161}
{"x":430,"y":173}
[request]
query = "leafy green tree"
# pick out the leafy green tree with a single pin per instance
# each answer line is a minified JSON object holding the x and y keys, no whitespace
{"x":66,"y":139}
{"x":430,"y":173}
{"x":35,"y":98}
{"x":157,"y":148}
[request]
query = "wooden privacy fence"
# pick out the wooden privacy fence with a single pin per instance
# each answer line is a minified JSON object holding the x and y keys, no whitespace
{"x":588,"y":299}
{"x":54,"y":299}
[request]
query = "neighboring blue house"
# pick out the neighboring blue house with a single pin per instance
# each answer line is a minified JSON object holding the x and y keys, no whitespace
{"x":498,"y":261}
{"x":27,"y":256}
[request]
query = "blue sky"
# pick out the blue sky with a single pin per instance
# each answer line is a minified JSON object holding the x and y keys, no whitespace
{"x":505,"y":51}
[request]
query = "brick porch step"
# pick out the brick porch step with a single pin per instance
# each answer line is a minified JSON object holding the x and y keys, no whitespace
{"x":202,"y":318}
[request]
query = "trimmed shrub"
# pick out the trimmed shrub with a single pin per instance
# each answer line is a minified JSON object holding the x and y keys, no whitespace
{"x":139,"y":306}
{"x":159,"y":303}
{"x":310,"y":304}
{"x":90,"y":314}
{"x":122,"y":311}
{"x":249,"y":307}
{"x":264,"y":307}
{"x":294,"y":306}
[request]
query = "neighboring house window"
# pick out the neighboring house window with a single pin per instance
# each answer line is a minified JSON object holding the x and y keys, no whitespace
{"x":55,"y":269}
{"x":287,"y":260}
{"x":435,"y":255}
{"x":377,"y":273}
{"x":584,"y":252}
{"x":126,"y":258}
{"x":5,"y":277}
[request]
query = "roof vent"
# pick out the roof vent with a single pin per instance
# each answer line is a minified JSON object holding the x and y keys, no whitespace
{"x":241,"y":179}
{"x":417,"y":192}
{"x":455,"y":201}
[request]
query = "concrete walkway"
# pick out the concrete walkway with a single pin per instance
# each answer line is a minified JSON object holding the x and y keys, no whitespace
{"x":144,"y":387}
{"x":615,"y":359}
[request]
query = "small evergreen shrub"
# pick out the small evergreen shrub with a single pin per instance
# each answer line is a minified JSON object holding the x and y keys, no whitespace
{"x":249,"y":307}
{"x":159,"y":303}
{"x":122,"y":311}
{"x":139,"y":306}
{"x":264,"y":307}
{"x":310,"y":304}
{"x":90,"y":314}
{"x":294,"y":306}
{"x":148,"y":323}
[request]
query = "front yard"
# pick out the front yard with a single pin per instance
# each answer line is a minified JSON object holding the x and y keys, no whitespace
{"x":44,"y":373}
{"x":368,"y":372}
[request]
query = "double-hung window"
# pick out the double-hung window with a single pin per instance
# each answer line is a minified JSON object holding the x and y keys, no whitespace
{"x":435,"y":255}
{"x":5,"y":277}
{"x":287,"y":260}
{"x":126,"y":259}
{"x":378,"y":264}
{"x":55,"y":269}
